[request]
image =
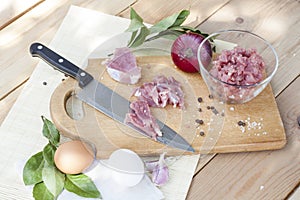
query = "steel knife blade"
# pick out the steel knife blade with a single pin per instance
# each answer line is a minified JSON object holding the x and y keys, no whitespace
{"x":103,"y":98}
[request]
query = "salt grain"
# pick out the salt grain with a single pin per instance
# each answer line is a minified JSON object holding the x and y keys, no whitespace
{"x":261,"y":187}
{"x":250,"y":125}
{"x":231,"y":108}
{"x":242,"y":129}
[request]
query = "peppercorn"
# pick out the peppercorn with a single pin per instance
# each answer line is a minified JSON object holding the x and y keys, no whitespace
{"x":240,"y":123}
{"x":199,"y":121}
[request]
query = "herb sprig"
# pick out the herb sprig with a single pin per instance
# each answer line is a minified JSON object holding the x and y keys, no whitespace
{"x":170,"y":27}
{"x":49,"y":181}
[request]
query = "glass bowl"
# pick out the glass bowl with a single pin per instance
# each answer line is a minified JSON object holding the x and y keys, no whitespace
{"x":235,"y":73}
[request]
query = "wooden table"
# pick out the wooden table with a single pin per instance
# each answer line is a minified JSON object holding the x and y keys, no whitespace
{"x":255,"y":175}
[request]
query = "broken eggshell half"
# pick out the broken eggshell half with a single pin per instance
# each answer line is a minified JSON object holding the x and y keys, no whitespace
{"x":127,"y":167}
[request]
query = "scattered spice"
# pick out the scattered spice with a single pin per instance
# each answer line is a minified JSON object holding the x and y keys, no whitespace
{"x":239,"y":20}
{"x":62,"y":79}
{"x":199,"y":109}
{"x":214,"y":111}
{"x":210,"y":96}
{"x":202,"y":133}
{"x":208,"y":107}
{"x":251,"y":125}
{"x":200,"y":99}
{"x":241,"y":123}
{"x":298,"y":120}
{"x":44,"y":83}
{"x":199,"y":121}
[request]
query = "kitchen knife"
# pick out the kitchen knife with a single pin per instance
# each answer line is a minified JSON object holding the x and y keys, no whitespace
{"x":103,"y":98}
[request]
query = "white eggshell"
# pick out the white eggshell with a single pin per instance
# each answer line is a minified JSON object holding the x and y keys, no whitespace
{"x":127,"y":167}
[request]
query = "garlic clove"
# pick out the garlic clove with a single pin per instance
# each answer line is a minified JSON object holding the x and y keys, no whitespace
{"x":160,"y":171}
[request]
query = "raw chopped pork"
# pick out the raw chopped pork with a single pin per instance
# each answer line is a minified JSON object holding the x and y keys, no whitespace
{"x":239,"y":66}
{"x":123,"y":67}
{"x":161,"y":92}
{"x":141,"y":117}
{"x":241,"y":69}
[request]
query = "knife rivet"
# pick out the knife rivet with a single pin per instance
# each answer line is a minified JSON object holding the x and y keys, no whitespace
{"x":82,"y":74}
{"x":60,"y":60}
{"x":40,"y":47}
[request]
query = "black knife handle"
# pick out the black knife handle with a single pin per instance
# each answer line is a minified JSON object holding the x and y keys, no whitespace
{"x":60,"y":63}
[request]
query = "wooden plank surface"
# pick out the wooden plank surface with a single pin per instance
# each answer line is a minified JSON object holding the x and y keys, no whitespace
{"x":252,"y":16}
{"x":10,"y":10}
{"x":272,"y":20}
{"x":39,"y":24}
{"x":258,"y":13}
{"x":155,"y":10}
{"x":7,"y":103}
{"x":261,"y":175}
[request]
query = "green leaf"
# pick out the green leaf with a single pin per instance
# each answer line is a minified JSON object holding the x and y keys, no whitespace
{"x":183,"y":15}
{"x":144,"y":32}
{"x":48,"y":153}
{"x":134,"y":15}
{"x":50,"y":132}
{"x":134,"y":25}
{"x":40,"y":192}
{"x":168,"y":34}
{"x":53,"y":179}
{"x":32,"y":171}
{"x":173,"y":20}
{"x":132,"y":38}
{"x":81,"y":185}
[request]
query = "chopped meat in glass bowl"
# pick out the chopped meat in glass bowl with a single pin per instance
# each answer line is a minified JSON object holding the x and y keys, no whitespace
{"x":241,"y":66}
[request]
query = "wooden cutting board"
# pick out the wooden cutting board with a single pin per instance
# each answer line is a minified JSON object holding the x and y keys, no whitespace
{"x":263,"y":128}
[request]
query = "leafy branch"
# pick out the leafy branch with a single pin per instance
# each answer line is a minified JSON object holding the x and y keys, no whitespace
{"x":170,"y":28}
{"x":48,"y":181}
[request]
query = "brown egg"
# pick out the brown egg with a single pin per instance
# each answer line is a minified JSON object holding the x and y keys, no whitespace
{"x":73,"y":157}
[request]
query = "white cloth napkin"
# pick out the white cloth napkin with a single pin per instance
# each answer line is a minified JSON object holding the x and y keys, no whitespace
{"x":21,"y":132}
{"x":111,"y":190}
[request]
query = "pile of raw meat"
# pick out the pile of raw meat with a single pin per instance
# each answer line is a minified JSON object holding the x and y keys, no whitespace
{"x":160,"y":92}
{"x":238,"y":71}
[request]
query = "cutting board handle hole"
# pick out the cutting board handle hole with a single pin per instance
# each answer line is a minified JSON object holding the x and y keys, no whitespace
{"x":73,"y":106}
